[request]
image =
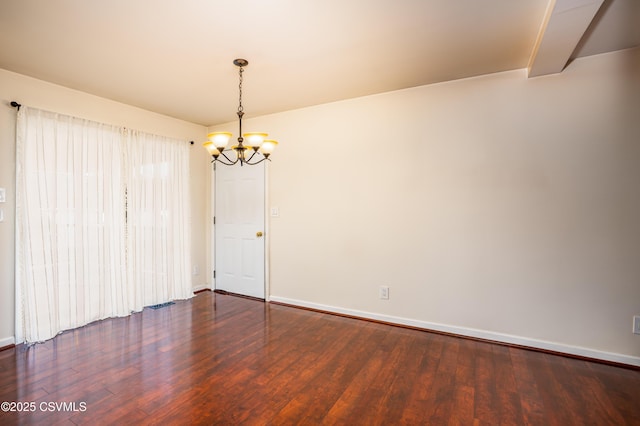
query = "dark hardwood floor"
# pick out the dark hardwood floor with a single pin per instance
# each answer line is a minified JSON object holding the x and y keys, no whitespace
{"x":222,"y":359}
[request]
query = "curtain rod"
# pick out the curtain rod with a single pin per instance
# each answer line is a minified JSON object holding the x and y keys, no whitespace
{"x":17,"y":105}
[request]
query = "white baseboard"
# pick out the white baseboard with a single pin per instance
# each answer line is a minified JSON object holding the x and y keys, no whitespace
{"x":469,"y":332}
{"x":7,"y":341}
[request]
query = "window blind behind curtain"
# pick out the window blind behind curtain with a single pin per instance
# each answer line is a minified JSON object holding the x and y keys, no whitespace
{"x":76,"y":195}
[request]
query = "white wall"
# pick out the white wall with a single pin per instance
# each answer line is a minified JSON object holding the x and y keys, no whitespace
{"x":40,"y":94}
{"x":499,"y":207}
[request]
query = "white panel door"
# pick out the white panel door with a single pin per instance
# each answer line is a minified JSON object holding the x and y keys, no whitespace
{"x":239,"y":229}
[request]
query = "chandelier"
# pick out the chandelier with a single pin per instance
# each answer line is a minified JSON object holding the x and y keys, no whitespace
{"x":252,"y":148}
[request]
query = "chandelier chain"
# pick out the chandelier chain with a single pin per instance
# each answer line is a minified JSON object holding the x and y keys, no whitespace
{"x":240,"y":107}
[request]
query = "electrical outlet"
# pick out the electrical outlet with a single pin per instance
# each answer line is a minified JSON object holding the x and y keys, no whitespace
{"x":636,"y":324}
{"x":384,"y":292}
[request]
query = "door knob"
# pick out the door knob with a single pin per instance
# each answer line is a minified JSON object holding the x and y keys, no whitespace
{"x":259,"y":234}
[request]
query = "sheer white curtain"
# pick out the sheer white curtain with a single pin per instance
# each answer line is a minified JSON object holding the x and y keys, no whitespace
{"x":158,"y":219}
{"x":75,"y":261}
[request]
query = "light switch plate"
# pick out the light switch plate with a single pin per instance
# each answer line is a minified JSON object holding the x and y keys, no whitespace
{"x":3,"y":195}
{"x":1,"y":215}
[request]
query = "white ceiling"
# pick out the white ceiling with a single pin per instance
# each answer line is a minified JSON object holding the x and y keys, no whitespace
{"x":175,"y":56}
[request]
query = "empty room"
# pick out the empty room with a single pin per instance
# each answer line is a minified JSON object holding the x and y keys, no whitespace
{"x":356,"y":212}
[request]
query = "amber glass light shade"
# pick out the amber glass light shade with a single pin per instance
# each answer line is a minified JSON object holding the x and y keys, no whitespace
{"x":219,"y":139}
{"x":254,"y":139}
{"x":267,"y":147}
{"x":213,"y":150}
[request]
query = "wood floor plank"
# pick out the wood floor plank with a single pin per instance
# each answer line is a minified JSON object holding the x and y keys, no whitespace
{"x":322,"y":391}
{"x":382,"y":402}
{"x":221,"y":359}
{"x":442,"y":397}
{"x":487,"y":409}
{"x":620,"y":387}
{"x":421,"y":397}
{"x":410,"y":363}
{"x":508,"y":400}
{"x":527,"y":388}
{"x":559,"y":408}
